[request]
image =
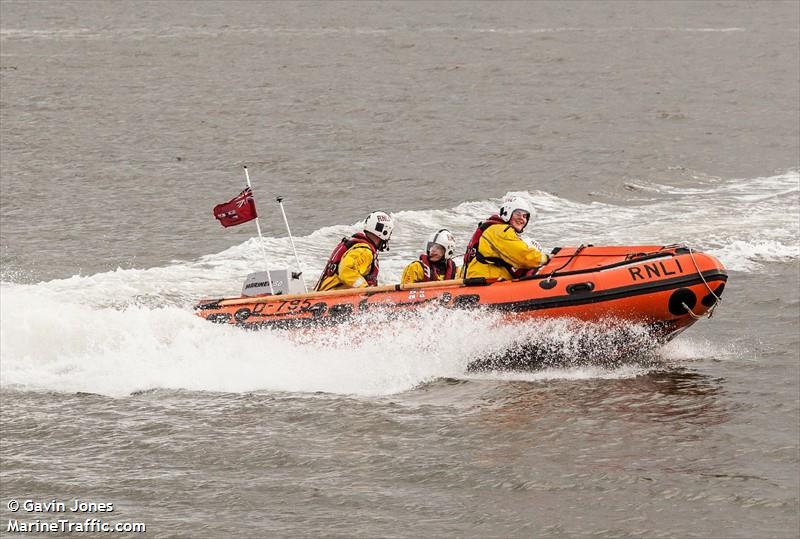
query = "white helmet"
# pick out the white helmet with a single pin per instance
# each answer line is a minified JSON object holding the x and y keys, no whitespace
{"x":517,"y":203}
{"x":444,"y":238}
{"x":380,"y":224}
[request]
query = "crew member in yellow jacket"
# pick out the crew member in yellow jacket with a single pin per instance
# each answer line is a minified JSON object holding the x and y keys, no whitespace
{"x":496,"y":249}
{"x":436,"y":264}
{"x":354,"y":261}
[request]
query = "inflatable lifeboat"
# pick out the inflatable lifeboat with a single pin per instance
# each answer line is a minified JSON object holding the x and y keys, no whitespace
{"x":666,"y":287}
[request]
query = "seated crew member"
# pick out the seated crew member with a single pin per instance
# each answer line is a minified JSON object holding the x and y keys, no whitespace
{"x":497,"y":251}
{"x":436,"y":264}
{"x":354,"y":262}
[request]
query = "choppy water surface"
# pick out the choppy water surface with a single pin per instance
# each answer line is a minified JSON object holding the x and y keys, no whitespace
{"x":623,"y":123}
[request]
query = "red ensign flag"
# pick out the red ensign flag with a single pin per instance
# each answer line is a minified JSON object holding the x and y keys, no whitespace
{"x":238,"y":210}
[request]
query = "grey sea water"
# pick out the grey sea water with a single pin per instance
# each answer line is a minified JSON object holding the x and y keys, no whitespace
{"x":122,"y":124}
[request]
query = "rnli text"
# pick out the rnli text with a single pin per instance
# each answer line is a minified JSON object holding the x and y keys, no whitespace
{"x":662,"y":268}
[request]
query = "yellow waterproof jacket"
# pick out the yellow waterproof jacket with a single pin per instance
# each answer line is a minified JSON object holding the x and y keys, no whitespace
{"x":415,"y":273}
{"x":355,"y":268}
{"x":502,"y":241}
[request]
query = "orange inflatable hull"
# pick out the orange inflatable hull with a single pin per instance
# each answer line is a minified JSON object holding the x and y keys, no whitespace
{"x":667,"y":287}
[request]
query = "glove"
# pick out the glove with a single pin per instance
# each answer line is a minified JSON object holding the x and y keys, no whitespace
{"x":546,"y":259}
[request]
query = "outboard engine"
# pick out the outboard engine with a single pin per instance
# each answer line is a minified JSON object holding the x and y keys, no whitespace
{"x":284,"y":282}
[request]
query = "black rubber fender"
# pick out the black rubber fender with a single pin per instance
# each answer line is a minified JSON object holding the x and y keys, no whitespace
{"x":680,"y":297}
{"x":709,"y":299}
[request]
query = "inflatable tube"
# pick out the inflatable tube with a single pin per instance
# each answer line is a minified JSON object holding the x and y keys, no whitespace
{"x":669,"y":287}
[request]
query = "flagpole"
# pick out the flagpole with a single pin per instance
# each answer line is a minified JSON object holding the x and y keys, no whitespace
{"x":297,"y":258}
{"x":260,"y":237}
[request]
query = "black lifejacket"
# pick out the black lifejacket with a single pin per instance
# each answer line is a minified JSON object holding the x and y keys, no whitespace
{"x":472,"y":247}
{"x":332,"y":267}
{"x":429,"y":269}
